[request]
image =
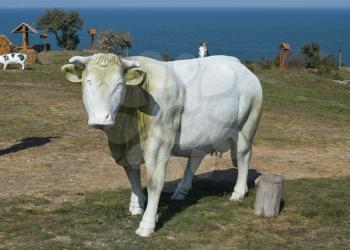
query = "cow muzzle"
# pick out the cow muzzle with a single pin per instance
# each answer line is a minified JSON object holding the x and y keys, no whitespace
{"x":101,"y":120}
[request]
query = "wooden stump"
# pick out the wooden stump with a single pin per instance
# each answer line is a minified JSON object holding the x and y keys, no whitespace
{"x":268,"y":195}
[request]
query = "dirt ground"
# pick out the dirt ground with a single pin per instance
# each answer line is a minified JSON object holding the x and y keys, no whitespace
{"x":43,"y":168}
{"x":42,"y":157}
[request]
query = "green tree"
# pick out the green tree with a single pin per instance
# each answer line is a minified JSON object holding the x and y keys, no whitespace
{"x":312,"y":51}
{"x":114,"y":42}
{"x":64,"y":25}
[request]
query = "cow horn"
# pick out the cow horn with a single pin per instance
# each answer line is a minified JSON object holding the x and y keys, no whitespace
{"x":80,"y":59}
{"x":128,"y":64}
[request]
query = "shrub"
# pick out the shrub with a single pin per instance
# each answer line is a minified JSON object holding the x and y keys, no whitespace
{"x":312,"y":51}
{"x":328,"y":67}
{"x":114,"y":42}
{"x":265,"y":64}
{"x":250,"y":65}
{"x":298,"y":61}
{"x":166,"y":57}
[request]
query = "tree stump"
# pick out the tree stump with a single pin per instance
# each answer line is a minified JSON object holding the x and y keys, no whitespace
{"x":268,"y":195}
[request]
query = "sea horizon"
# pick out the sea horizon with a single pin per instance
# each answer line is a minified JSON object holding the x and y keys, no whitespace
{"x":249,"y":33}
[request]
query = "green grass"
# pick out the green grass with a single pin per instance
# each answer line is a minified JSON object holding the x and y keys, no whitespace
{"x":297,"y":91}
{"x":315,"y":215}
{"x":300,"y":109}
{"x":60,"y":57}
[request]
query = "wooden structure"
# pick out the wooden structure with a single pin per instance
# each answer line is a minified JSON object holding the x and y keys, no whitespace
{"x":25,"y":29}
{"x":43,"y":37}
{"x":5,"y":45}
{"x":92,"y":33}
{"x":268,"y":195}
{"x":340,"y":57}
{"x":282,"y":55}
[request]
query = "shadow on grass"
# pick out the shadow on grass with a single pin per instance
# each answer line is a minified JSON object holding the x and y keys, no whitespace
{"x":25,"y":143}
{"x":16,"y":69}
{"x":216,"y":183}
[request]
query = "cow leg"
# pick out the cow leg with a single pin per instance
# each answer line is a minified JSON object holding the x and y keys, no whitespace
{"x":234,"y":153}
{"x":156,"y":158}
{"x":185,"y":184}
{"x":22,"y":66}
{"x":5,"y":66}
{"x":244,"y":152}
{"x":138,"y":199}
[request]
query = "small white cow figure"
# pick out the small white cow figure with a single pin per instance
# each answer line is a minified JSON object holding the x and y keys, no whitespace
{"x":13,"y":58}
{"x":203,"y":50}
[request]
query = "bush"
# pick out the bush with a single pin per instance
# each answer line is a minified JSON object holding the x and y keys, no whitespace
{"x":298,"y":61}
{"x":265,"y":64}
{"x":114,"y":42}
{"x":250,"y":65}
{"x":312,"y":52}
{"x":328,"y":67}
{"x":166,"y":57}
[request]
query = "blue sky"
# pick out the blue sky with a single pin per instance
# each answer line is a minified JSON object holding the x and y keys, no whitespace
{"x":177,"y":3}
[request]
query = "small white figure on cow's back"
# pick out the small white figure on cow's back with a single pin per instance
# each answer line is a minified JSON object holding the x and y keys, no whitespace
{"x":203,"y":50}
{"x":151,"y":110}
{"x":13,"y":58}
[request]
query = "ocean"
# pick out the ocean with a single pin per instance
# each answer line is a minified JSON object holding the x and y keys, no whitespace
{"x":246,"y":33}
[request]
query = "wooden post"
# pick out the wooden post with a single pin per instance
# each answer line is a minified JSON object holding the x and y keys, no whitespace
{"x":92,"y":41}
{"x":92,"y":33}
{"x":268,"y":196}
{"x":340,"y":57}
{"x":24,"y":37}
{"x":43,"y":38}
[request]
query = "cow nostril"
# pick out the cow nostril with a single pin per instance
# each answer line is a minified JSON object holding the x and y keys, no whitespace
{"x":107,"y":116}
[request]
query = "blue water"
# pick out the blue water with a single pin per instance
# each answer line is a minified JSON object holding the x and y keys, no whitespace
{"x":245,"y":33}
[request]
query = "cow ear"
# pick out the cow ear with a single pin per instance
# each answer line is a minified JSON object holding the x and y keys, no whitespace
{"x":129,"y":64}
{"x":135,"y":77}
{"x":71,"y":72}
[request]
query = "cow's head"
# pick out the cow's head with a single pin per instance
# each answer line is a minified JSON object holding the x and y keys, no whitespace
{"x":104,"y":83}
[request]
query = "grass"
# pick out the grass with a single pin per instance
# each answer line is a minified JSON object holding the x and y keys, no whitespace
{"x":60,"y":57}
{"x":301,"y":110}
{"x":27,"y":95}
{"x":313,"y":107}
{"x":315,"y":215}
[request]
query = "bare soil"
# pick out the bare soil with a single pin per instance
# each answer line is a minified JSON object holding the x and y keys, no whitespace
{"x":46,"y":145}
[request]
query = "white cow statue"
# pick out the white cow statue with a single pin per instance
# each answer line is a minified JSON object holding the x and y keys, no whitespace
{"x":151,"y":110}
{"x":203,"y":50}
{"x":13,"y":58}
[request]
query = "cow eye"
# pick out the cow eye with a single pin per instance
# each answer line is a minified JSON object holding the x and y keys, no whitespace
{"x":118,"y":87}
{"x":89,"y":82}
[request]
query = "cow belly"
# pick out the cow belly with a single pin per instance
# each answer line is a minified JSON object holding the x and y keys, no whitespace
{"x":203,"y":143}
{"x":210,"y":127}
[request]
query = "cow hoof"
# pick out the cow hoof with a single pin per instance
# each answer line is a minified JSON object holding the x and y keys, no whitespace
{"x":135,"y":210}
{"x":143,"y":232}
{"x":236,"y":196}
{"x":177,"y":196}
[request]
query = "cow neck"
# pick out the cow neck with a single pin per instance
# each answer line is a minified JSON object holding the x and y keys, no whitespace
{"x":136,"y":97}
